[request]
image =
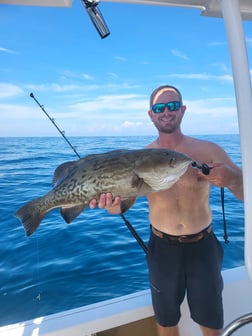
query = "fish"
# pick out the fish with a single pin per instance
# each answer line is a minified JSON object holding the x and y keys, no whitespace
{"x":126,"y":173}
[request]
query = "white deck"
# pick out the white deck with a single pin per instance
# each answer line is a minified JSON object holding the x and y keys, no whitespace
{"x":99,"y":317}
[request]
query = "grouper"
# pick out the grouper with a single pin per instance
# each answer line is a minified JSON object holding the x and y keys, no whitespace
{"x":127,"y":173}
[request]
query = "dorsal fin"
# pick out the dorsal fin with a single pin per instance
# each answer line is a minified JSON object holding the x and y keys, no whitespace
{"x":62,"y":171}
{"x":113,"y":152}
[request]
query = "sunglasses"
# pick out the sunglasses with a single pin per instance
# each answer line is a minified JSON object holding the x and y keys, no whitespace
{"x":160,"y":107}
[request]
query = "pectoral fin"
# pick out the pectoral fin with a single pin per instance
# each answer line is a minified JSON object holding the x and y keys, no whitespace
{"x":69,"y":214}
{"x":126,"y":204}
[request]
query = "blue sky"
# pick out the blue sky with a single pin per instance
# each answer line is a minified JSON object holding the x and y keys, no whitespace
{"x":94,"y":86}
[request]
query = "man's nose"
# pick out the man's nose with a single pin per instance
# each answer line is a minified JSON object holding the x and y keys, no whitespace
{"x":167,"y":110}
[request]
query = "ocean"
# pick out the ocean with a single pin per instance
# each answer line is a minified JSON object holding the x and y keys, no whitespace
{"x":95,"y":258}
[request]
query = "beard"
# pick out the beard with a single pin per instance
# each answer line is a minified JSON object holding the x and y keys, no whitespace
{"x":169,"y":126}
{"x":167,"y":130}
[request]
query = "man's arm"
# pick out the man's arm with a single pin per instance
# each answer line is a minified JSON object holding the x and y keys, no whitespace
{"x":229,"y":176}
{"x":224,"y":172}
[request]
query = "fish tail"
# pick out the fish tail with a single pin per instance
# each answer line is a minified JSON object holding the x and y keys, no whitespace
{"x":31,"y":215}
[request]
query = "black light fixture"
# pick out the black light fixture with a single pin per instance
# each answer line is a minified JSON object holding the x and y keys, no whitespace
{"x":96,"y":17}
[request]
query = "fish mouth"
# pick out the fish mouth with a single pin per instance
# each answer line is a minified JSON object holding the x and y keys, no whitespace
{"x":185,"y":165}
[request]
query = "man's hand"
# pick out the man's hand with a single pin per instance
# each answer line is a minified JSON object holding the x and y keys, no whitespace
{"x":112,"y":205}
{"x":223,"y":175}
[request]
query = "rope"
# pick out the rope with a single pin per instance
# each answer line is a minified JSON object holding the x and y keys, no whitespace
{"x":225,"y":236}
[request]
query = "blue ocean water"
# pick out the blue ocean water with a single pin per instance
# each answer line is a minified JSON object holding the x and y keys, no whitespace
{"x":64,"y":266}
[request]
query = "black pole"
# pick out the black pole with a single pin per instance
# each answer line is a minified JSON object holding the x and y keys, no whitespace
{"x":54,"y":123}
{"x":135,"y":234}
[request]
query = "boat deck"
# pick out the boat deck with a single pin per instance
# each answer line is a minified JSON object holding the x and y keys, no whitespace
{"x":144,"y":327}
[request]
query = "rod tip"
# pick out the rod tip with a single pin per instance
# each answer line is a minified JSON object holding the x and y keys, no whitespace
{"x":31,"y":95}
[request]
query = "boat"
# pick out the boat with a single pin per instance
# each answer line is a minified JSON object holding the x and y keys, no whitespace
{"x":132,"y":315}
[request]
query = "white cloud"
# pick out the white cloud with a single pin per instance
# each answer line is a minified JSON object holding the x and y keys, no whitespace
{"x":214,"y":116}
{"x":10,"y":90}
{"x":214,"y":107}
{"x":120,"y":58}
{"x":201,"y":76}
{"x":130,"y":124}
{"x":123,"y":102}
{"x":81,"y":110}
{"x":16,"y":112}
{"x":220,"y":66}
{"x":87,"y":77}
{"x":112,"y":75}
{"x":56,"y":87}
{"x":67,"y":74}
{"x":78,"y":88}
{"x":8,"y":51}
{"x":179,"y":54}
{"x":216,"y":43}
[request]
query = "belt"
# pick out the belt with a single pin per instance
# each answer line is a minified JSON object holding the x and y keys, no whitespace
{"x":192,"y":238}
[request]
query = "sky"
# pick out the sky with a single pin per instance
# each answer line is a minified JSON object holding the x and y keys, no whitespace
{"x":94,"y":86}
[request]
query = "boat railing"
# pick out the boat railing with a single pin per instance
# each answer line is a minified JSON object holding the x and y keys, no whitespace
{"x":236,"y":324}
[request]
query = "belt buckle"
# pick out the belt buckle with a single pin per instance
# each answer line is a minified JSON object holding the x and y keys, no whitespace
{"x":182,"y":239}
{"x":187,"y":239}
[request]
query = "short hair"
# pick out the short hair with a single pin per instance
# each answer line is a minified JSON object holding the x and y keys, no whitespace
{"x":167,"y":88}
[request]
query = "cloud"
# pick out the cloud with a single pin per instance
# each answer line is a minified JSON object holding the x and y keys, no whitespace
{"x":112,"y":75}
{"x":120,"y":58}
{"x":129,"y":124}
{"x":13,"y":111}
{"x":124,"y":114}
{"x":8,"y":51}
{"x":220,"y":66}
{"x":93,"y":109}
{"x":179,"y":54}
{"x":201,"y":76}
{"x":214,"y":107}
{"x":10,"y":90}
{"x":67,"y":74}
{"x":214,"y":116}
{"x":59,"y":88}
{"x":87,"y":77}
{"x":216,"y":43}
{"x":115,"y":102}
{"x":78,"y":88}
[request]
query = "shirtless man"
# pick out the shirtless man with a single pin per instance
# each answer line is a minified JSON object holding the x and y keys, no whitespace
{"x":184,"y":255}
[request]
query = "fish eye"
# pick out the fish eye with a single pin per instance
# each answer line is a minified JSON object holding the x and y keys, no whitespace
{"x":172,"y":162}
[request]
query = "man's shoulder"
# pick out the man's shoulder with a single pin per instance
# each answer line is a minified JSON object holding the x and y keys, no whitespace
{"x":201,"y":149}
{"x":197,"y":141}
{"x":152,"y":145}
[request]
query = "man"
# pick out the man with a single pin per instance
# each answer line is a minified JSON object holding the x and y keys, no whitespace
{"x":184,"y":255}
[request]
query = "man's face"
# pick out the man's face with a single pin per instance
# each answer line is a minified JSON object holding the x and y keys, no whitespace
{"x":167,"y":121}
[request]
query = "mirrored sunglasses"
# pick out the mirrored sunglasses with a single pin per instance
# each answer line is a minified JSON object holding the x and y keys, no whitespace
{"x":160,"y":107}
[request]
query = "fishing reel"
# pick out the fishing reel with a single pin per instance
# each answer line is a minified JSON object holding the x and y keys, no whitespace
{"x":203,"y":167}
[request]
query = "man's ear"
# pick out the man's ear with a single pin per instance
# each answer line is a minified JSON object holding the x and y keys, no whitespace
{"x":150,"y":113}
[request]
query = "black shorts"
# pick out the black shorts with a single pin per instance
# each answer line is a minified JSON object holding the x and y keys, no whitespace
{"x":192,"y":268}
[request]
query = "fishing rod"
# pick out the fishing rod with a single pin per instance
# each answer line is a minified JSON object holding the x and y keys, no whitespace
{"x":127,"y":223}
{"x":54,"y":123}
